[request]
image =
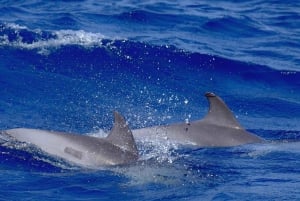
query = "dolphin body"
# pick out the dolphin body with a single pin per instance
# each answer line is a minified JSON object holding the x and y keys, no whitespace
{"x":116,"y":149}
{"x":219,"y":128}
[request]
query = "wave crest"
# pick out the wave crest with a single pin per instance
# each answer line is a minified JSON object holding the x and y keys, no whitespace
{"x":21,"y":37}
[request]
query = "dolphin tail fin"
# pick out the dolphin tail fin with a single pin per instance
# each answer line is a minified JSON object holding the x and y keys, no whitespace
{"x":219,"y":113}
{"x":121,"y":134}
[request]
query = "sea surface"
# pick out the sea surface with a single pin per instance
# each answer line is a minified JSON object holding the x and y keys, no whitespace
{"x":66,"y":65}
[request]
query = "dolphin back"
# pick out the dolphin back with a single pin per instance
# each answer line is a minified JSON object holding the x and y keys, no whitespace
{"x":87,"y":151}
{"x":219,"y":128}
{"x":221,"y":120}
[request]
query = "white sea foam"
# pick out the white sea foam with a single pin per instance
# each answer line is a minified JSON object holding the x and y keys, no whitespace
{"x":57,"y":39}
{"x":142,"y":174}
{"x":258,"y":150}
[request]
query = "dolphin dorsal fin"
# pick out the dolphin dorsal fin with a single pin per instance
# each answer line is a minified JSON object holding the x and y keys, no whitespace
{"x":121,"y":135}
{"x":219,"y":113}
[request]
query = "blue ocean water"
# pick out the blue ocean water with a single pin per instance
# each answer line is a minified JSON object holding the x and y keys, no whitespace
{"x":66,"y":65}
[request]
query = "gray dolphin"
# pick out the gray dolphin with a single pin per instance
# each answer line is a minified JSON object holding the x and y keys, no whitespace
{"x":117,"y":148}
{"x":219,"y":128}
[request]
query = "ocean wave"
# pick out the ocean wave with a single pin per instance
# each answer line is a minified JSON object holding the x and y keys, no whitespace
{"x":248,"y":31}
{"x":17,"y":36}
{"x":141,"y":68}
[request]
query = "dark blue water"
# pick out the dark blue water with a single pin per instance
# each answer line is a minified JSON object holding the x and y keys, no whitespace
{"x":66,"y":65}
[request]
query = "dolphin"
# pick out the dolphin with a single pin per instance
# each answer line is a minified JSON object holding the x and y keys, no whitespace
{"x":219,"y":128}
{"x":117,"y":148}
